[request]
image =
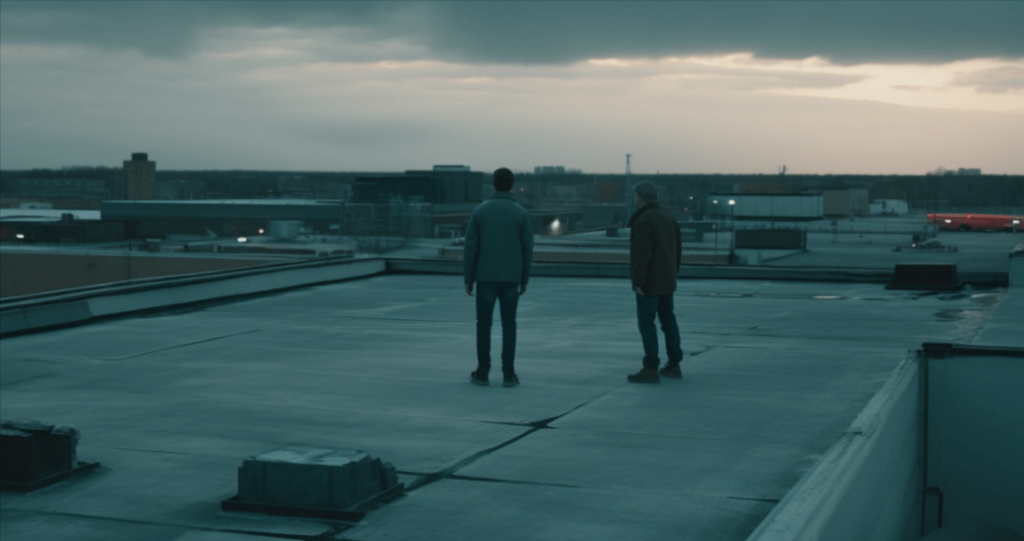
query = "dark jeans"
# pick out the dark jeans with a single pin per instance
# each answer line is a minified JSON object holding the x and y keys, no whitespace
{"x":662,"y":306}
{"x":507,"y":295}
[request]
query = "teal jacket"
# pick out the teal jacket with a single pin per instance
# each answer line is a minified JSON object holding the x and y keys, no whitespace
{"x":499,"y":241}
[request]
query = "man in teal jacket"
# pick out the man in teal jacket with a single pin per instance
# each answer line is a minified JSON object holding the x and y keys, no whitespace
{"x":498,"y":253}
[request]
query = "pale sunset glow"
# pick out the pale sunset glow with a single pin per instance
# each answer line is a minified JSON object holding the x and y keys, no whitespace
{"x":396,"y":86}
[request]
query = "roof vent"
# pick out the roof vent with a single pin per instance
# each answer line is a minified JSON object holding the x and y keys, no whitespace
{"x":925,"y":276}
{"x":34,"y":455}
{"x":303,"y":481}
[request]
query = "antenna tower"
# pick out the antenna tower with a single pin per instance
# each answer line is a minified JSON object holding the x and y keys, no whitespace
{"x":628,"y":171}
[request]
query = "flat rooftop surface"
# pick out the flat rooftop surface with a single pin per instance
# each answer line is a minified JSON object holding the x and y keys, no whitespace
{"x":171,"y":404}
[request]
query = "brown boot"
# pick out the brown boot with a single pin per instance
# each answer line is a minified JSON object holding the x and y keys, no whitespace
{"x":645,"y":375}
{"x":671,"y":370}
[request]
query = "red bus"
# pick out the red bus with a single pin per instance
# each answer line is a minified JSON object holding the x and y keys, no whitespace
{"x":977,"y":222}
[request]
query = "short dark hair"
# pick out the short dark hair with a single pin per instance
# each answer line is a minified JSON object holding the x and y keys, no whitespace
{"x":503,"y":179}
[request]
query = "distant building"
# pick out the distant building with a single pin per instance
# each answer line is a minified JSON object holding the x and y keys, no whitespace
{"x":140,"y":178}
{"x":943,"y":172}
{"x":59,"y":188}
{"x":170,"y":190}
{"x":561,"y":192}
{"x":766,"y":206}
{"x":418,"y":203}
{"x":36,"y":205}
{"x":225,"y":218}
{"x":444,"y":184}
{"x":604,"y":215}
{"x":554,"y":170}
{"x":848,"y":202}
{"x":889,"y":206}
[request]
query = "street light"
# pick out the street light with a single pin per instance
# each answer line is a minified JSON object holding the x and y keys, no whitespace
{"x":732,"y":229}
{"x":716,"y":228}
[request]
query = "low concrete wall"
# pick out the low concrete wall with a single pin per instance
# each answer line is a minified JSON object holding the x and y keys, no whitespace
{"x":693,"y":272}
{"x":24,"y":273}
{"x":1016,"y":278}
{"x":455,"y":253}
{"x":77,"y":306}
{"x":867,"y":486}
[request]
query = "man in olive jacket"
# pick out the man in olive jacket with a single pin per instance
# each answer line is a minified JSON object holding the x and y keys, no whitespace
{"x":655,"y":253}
{"x":498,"y":253}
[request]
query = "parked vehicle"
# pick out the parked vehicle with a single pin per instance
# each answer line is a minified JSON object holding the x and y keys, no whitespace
{"x":977,"y":222}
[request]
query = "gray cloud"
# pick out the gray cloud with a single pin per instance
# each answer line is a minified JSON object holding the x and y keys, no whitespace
{"x":553,"y":32}
{"x":173,"y":29}
{"x":994,"y":81}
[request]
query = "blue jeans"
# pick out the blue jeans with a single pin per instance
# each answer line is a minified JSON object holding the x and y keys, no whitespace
{"x":507,"y":295}
{"x":647,"y":307}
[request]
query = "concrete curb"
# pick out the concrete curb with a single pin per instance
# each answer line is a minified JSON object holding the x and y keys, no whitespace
{"x":697,"y":272}
{"x":42,"y":311}
{"x":21,"y":315}
{"x":609,"y":270}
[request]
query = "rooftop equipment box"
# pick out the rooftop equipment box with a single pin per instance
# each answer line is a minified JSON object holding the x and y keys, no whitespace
{"x":35,"y":454}
{"x":307,"y":479}
{"x":927,"y":276}
{"x":771,"y":239}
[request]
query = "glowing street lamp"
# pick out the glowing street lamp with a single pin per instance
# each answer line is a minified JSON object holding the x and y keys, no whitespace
{"x":732,"y":229}
{"x":716,"y":228}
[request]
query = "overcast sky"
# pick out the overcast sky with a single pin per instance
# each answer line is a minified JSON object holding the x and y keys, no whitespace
{"x":685,"y":87}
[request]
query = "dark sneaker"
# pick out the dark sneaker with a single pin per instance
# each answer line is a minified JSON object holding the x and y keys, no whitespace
{"x":510,"y":381}
{"x":671,"y":370}
{"x":478,"y":380}
{"x":646,"y":375}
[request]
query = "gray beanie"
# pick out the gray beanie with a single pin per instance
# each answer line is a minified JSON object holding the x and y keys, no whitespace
{"x":647,"y":191}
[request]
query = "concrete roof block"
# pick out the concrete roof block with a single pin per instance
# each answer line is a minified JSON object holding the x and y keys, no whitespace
{"x":307,"y":477}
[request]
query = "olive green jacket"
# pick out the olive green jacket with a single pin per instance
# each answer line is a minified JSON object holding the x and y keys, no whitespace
{"x":499,"y":242}
{"x":655,"y":250}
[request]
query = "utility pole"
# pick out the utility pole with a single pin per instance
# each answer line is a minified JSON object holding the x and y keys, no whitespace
{"x":629,"y":187}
